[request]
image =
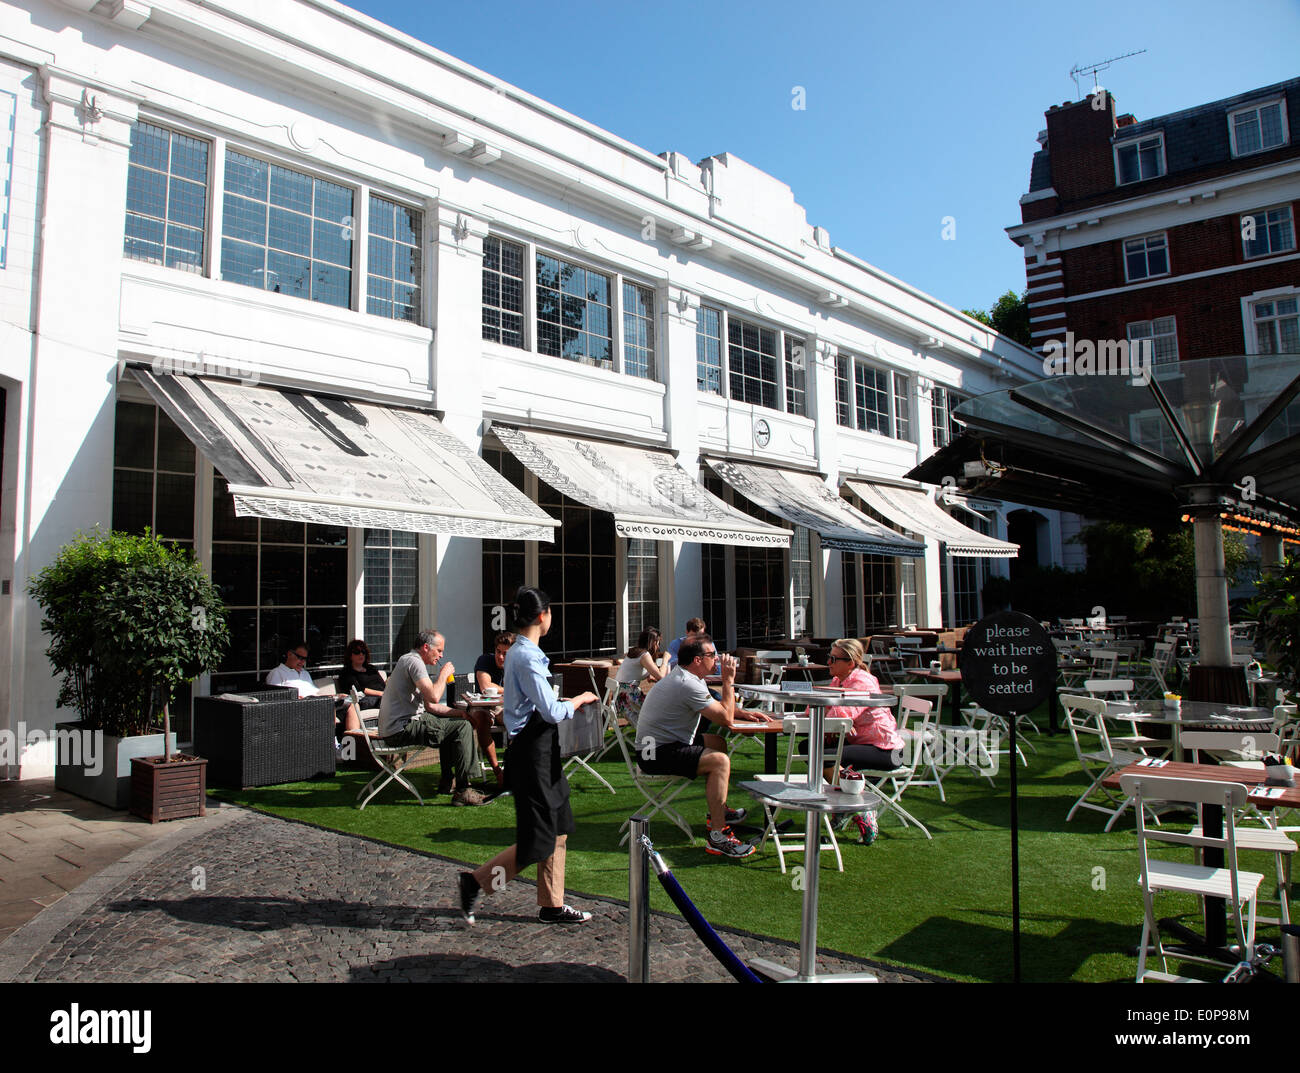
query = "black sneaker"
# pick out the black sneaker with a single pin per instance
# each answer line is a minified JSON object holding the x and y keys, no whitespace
{"x":736,"y":815}
{"x":470,"y":895}
{"x":725,"y":844}
{"x":565,"y":914}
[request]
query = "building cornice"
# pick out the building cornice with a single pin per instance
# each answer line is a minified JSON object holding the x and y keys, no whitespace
{"x":1206,"y":190}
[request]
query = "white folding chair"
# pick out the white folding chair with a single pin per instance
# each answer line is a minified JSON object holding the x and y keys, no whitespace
{"x":1232,"y":748}
{"x":1085,"y":718}
{"x":991,"y":729}
{"x":391,"y":759}
{"x":923,"y":746}
{"x":1240,"y":889}
{"x":658,"y":790}
{"x":900,"y":778}
{"x":793,"y":726}
{"x":772,"y":664}
{"x":1119,"y":690}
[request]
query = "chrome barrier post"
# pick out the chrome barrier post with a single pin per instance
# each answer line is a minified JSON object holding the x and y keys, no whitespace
{"x":638,"y":904}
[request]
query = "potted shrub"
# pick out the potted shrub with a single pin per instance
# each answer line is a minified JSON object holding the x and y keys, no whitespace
{"x":1277,"y":609}
{"x":130,"y":618}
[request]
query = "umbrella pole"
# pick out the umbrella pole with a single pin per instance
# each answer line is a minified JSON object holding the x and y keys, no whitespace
{"x":1212,"y":592}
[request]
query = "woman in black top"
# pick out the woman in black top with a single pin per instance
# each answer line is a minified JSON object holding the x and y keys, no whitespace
{"x":361,"y":674}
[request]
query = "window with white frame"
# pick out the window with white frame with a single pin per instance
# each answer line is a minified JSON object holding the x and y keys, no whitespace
{"x":751,"y":362}
{"x":153,"y":474}
{"x":902,"y":407}
{"x":391,"y":588}
{"x":503,"y":292}
{"x":1139,"y":159}
{"x":713,"y":574}
{"x":1257,"y":127}
{"x":759,"y":365}
{"x":907,"y":593}
{"x":638,"y":331}
{"x":281,"y":582}
{"x":1163,"y":334}
{"x":801,"y":587}
{"x":282,"y":230}
{"x":166,"y":197}
{"x":796,"y":376}
{"x":504,"y":561}
{"x":708,"y":350}
{"x":393,"y":256}
{"x":1146,"y":257}
{"x":1277,"y":325}
{"x":843,"y":399}
{"x":943,"y":401}
{"x":642,"y":586}
{"x":286,"y":231}
{"x":871,"y":399}
{"x":574,"y":315}
{"x":1267,"y":231}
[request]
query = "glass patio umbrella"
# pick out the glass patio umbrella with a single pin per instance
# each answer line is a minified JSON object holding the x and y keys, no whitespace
{"x":1213,"y":440}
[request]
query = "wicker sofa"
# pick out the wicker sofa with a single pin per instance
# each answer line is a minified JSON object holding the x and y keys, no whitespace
{"x":277,"y":738}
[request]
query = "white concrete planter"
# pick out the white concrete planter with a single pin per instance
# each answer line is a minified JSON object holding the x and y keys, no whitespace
{"x":111,"y":786}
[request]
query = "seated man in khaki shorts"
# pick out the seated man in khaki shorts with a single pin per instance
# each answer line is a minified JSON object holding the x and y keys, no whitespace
{"x":667,"y":742}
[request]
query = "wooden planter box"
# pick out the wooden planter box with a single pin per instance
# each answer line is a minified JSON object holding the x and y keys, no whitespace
{"x":161,"y":791}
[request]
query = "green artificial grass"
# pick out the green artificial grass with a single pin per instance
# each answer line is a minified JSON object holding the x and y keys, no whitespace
{"x":940,"y":906}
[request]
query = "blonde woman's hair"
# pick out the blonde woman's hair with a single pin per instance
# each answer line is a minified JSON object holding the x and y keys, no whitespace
{"x":852,"y":648}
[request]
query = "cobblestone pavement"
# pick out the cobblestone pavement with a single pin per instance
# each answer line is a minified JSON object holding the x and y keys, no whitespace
{"x":245,"y":896}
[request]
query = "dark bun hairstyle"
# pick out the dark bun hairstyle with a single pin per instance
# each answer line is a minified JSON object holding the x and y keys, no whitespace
{"x":526,"y":606}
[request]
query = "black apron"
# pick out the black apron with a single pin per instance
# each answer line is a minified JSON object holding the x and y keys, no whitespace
{"x":535,"y":778}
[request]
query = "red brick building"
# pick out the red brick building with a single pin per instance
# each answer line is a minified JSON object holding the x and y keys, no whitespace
{"x":1179,"y":229}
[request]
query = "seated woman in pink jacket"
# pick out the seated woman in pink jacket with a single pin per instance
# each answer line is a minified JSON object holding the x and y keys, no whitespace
{"x":874,"y":743}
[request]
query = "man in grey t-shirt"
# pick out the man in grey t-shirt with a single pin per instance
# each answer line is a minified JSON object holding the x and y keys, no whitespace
{"x":668,"y":745}
{"x":410,"y":714}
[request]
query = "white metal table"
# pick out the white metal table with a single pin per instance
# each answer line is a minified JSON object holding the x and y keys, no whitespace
{"x":814,"y":802}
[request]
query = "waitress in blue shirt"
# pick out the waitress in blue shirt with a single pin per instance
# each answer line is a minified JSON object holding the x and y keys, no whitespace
{"x":535,"y":773}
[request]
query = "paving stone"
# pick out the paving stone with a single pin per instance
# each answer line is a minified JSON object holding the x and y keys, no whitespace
{"x":288,"y":902}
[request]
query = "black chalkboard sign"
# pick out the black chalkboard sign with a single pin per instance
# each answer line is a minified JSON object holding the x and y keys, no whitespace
{"x":1008,"y":663}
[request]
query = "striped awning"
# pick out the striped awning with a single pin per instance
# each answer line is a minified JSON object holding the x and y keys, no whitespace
{"x":803,"y":499}
{"x":914,"y":510}
{"x":302,"y":457}
{"x":649,"y":494}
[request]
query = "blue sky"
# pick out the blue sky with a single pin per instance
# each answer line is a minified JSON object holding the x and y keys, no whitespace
{"x":914,"y":112}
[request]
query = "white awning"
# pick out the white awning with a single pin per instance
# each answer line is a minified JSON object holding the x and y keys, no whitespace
{"x":803,"y":499}
{"x":312,"y":458}
{"x":649,"y":494}
{"x":913,"y":509}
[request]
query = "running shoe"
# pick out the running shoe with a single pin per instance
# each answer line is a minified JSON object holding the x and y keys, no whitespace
{"x":725,"y":844}
{"x":868,"y":829}
{"x":470,"y":895}
{"x":736,"y":815}
{"x":565,"y":914}
{"x":468,"y":796}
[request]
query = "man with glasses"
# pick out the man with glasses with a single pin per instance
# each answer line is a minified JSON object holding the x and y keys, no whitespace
{"x":293,"y":673}
{"x":668,"y":742}
{"x":411,"y":713}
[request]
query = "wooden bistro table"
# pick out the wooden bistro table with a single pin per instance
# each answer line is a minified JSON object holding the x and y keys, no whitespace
{"x":1191,"y":715}
{"x":1215,"y":909}
{"x":952,"y":679}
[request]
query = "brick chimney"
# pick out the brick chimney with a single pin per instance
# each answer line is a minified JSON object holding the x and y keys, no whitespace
{"x":1078,"y":139}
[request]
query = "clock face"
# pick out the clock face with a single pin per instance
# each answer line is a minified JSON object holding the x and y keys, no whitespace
{"x":762,"y":432}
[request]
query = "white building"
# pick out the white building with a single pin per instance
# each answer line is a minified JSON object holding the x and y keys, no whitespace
{"x":290,"y":195}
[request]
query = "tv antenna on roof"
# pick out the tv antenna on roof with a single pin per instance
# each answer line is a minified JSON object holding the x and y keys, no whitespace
{"x":1083,"y":69}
